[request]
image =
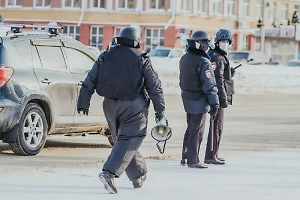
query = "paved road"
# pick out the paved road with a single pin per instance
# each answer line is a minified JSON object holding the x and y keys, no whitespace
{"x":261,"y":137}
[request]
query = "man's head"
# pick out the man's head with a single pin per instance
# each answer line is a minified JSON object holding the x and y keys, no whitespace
{"x":223,"y":39}
{"x":128,"y":36}
{"x":199,"y":40}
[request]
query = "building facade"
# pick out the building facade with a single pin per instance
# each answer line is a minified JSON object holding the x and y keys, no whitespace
{"x":164,"y":22}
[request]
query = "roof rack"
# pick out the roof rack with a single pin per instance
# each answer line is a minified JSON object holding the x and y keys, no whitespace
{"x":16,"y":29}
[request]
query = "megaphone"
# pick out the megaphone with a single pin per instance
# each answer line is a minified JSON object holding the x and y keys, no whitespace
{"x":161,"y":133}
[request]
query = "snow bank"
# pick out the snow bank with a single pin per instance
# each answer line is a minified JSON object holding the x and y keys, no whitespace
{"x":249,"y":79}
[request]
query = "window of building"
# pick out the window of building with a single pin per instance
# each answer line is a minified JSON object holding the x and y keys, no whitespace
{"x":231,"y":7}
{"x":51,"y":57}
{"x":97,"y":4}
{"x":272,"y":10}
{"x":186,"y":5}
{"x":259,"y":9}
{"x":117,"y":31}
{"x":154,"y":38}
{"x":78,"y":61}
{"x":245,"y":45}
{"x":246,"y":8}
{"x":71,"y":3}
{"x":284,"y":11}
{"x":257,"y":43}
{"x":217,"y":7}
{"x":156,"y":4}
{"x":125,"y":4}
{"x":73,"y":31}
{"x":202,"y":6}
{"x":96,"y":36}
{"x":17,"y":3}
{"x":42,"y":3}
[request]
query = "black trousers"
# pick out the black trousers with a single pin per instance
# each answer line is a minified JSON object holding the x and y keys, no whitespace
{"x":127,"y":121}
{"x":218,"y":130}
{"x":193,"y":137}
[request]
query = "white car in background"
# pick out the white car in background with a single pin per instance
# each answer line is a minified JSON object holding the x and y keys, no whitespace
{"x":166,"y":56}
{"x":95,"y":50}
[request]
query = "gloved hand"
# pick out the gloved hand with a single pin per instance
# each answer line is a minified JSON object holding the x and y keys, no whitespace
{"x":85,"y":111}
{"x":213,"y":112}
{"x":232,"y":71}
{"x":159,"y":116}
{"x":224,"y":104}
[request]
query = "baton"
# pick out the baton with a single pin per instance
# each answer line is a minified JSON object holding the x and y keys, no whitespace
{"x":238,"y":66}
{"x":212,"y":133}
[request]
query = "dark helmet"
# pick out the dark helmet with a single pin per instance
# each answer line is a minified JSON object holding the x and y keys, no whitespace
{"x":128,"y":36}
{"x":223,"y":34}
{"x":199,"y":40}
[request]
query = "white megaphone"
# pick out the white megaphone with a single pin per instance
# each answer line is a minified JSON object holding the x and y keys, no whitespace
{"x":161,"y":133}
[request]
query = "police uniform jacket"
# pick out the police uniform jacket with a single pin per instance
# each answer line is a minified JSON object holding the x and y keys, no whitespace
{"x":197,"y":82}
{"x":223,"y":76}
{"x":122,"y":73}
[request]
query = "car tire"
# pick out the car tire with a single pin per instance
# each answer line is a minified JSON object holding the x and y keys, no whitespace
{"x":31,"y":131}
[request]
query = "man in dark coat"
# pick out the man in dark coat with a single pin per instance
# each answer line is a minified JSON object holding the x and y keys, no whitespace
{"x":198,"y":92}
{"x":125,"y":77}
{"x":223,"y":74}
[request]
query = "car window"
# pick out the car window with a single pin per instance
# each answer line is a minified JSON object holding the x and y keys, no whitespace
{"x":51,"y":57}
{"x":238,"y":56}
{"x":159,"y":53}
{"x":78,"y":61}
{"x":28,"y":53}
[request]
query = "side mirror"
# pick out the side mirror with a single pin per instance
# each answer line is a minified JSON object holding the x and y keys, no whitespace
{"x":250,"y":60}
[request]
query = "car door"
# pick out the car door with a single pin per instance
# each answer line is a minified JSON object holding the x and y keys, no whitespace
{"x":57,"y":82}
{"x":80,"y":62}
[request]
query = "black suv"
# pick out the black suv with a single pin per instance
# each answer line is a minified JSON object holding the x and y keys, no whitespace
{"x":40,"y":78}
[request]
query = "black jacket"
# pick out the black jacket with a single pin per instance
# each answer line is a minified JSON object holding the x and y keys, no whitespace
{"x":223,"y":76}
{"x":150,"y":84}
{"x":197,"y":82}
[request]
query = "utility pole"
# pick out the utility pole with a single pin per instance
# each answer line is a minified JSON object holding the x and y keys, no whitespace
{"x":262,"y":28}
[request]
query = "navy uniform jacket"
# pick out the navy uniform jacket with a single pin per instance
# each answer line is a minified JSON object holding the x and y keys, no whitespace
{"x":223,"y":76}
{"x":198,"y":100}
{"x":151,"y":83}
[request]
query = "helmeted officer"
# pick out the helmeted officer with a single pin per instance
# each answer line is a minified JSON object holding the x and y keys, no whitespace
{"x":223,"y":74}
{"x":198,"y":92}
{"x":125,"y":77}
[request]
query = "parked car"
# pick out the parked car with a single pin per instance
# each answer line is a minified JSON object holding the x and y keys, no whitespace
{"x":40,"y":78}
{"x":251,"y":57}
{"x":95,"y":50}
{"x":293,"y":63}
{"x":166,"y":56}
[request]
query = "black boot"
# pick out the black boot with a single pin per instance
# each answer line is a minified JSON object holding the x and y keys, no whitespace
{"x":183,"y":162}
{"x":214,"y":161}
{"x":198,"y":165}
{"x":139,"y":182}
{"x":108,"y":180}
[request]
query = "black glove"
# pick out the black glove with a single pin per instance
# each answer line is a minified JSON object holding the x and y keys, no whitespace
{"x":213,"y":112}
{"x":232,"y":72}
{"x":224,"y":104}
{"x":159,"y":116}
{"x":85,"y":111}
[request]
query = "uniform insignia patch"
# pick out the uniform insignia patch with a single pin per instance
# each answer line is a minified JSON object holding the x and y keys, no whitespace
{"x":208,"y":73}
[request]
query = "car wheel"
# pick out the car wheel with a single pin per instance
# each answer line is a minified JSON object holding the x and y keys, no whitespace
{"x":31,"y":132}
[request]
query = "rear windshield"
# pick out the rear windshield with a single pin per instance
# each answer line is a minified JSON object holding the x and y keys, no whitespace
{"x":238,"y":56}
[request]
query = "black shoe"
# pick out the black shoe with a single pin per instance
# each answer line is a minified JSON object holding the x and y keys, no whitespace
{"x":183,"y":162}
{"x":108,"y":181}
{"x":139,"y":182}
{"x":198,"y":165}
{"x":214,"y":161}
{"x":221,"y":159}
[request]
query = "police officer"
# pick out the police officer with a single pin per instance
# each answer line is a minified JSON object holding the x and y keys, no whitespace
{"x":223,"y":74}
{"x":125,"y":77}
{"x":198,"y":91}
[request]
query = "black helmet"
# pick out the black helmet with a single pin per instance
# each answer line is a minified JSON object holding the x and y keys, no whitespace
{"x":223,"y":34}
{"x":129,"y":37}
{"x":199,"y":40}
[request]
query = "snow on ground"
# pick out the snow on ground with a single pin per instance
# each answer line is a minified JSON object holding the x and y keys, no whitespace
{"x":249,"y":79}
